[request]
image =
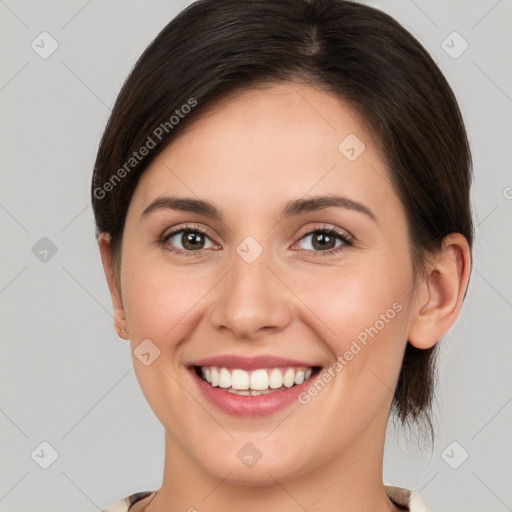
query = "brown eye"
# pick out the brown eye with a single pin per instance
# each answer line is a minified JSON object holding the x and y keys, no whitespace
{"x":327,"y":240}
{"x":192,"y":241}
{"x":322,"y":241}
{"x":188,"y":240}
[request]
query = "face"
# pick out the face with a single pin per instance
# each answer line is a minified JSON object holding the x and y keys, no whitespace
{"x":270,"y":280}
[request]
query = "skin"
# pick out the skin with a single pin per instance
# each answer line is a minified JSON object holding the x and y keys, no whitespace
{"x":248,"y":155}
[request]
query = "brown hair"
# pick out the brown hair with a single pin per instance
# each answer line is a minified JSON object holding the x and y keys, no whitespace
{"x":361,"y":54}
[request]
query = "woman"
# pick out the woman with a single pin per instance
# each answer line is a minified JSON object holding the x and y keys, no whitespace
{"x":282,"y":206}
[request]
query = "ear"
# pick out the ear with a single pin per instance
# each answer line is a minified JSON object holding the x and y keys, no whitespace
{"x":115,"y":293}
{"x":439,"y":296}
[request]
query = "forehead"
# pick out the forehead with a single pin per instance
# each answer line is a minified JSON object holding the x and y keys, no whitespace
{"x":263,"y":143}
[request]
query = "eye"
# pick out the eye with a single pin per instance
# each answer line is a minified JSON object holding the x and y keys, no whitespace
{"x":187,"y":240}
{"x":326,"y":240}
{"x":191,"y":240}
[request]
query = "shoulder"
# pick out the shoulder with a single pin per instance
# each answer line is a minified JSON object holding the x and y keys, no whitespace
{"x":408,"y":500}
{"x":124,"y":504}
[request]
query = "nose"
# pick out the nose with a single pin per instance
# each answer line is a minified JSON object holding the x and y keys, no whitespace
{"x":252,"y":301}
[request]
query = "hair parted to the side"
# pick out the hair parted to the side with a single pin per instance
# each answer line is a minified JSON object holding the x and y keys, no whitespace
{"x":368,"y":59}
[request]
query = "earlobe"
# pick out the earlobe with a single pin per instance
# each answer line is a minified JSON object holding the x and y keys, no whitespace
{"x":439,"y":296}
{"x":115,"y":294}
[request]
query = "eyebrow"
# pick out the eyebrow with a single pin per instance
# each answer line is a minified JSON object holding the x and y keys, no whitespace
{"x":292,"y":208}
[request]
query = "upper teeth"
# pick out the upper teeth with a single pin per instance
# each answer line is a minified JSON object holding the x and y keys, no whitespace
{"x":259,"y":380}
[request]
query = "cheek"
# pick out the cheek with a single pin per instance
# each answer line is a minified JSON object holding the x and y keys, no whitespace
{"x":160,"y":300}
{"x":361,"y":314}
{"x":162,"y":304}
{"x":353,"y":303}
{"x":362,"y":317}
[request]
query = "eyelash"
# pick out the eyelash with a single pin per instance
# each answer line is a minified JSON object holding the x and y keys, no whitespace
{"x":347,"y":240}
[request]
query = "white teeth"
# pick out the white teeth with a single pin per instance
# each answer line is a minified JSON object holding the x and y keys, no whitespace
{"x":224,"y":378}
{"x":289,"y":378}
{"x":276,"y":379}
{"x":214,"y":376}
{"x":259,"y":380}
{"x":239,"y":392}
{"x":249,"y":392}
{"x":239,"y":379}
{"x":256,"y":382}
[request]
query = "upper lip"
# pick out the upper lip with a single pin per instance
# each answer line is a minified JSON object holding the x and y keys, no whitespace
{"x":250,"y":363}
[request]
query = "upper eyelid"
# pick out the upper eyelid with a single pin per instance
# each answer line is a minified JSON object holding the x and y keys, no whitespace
{"x":175,"y":231}
{"x":325,"y":227}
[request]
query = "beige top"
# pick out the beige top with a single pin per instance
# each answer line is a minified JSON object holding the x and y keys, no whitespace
{"x":402,"y":498}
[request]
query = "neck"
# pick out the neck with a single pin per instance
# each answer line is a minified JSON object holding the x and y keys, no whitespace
{"x":346,"y":482}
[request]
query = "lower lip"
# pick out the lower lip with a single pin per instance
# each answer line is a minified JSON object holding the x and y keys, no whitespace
{"x":249,"y":406}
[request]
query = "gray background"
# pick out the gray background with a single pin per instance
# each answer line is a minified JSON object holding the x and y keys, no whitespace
{"x":65,"y":376}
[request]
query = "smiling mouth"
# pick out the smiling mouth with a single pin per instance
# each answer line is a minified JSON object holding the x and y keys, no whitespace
{"x":256,"y":382}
